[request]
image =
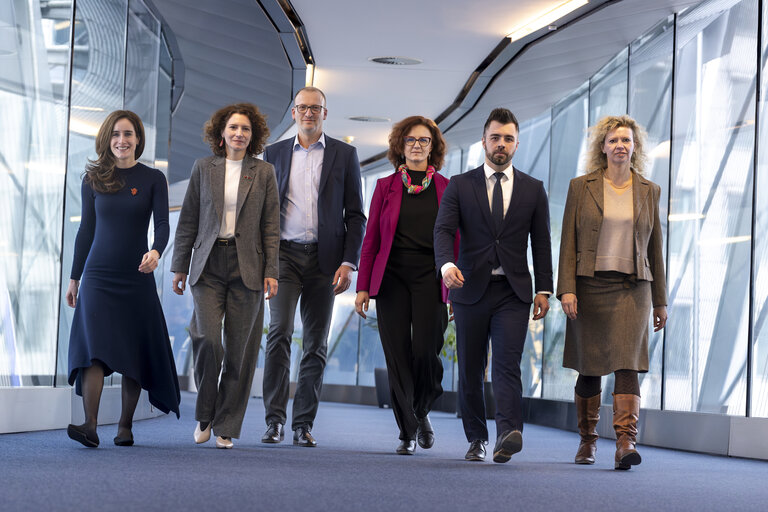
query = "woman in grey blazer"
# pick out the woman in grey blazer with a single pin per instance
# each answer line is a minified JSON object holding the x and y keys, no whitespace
{"x":611,"y":272}
{"x":227,"y":241}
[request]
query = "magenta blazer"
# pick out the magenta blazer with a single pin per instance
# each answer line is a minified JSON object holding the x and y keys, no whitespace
{"x":380,"y":232}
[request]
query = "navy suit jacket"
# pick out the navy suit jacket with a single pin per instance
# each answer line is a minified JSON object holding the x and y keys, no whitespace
{"x":465,"y":206}
{"x":340,"y":217}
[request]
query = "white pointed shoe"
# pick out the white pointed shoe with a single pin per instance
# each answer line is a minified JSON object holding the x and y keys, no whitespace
{"x":222,"y":442}
{"x":201,"y":436}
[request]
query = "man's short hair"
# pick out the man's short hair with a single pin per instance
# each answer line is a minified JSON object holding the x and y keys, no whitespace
{"x":309,"y":88}
{"x":503,"y":116}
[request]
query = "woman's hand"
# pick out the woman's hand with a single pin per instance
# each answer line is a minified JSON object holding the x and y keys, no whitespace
{"x":659,"y":318}
{"x":568,"y":301}
{"x":149,"y":262}
{"x":361,"y":303}
{"x":72,"y":292}
{"x":179,"y":283}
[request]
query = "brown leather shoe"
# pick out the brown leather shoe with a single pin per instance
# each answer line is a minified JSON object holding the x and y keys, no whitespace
{"x":626,"y":412}
{"x":587,"y":414}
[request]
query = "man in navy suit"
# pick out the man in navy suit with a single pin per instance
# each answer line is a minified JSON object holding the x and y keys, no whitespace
{"x":321,"y":230}
{"x":495,"y":208}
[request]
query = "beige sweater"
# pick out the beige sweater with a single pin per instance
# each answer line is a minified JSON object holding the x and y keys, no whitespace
{"x":614,"y":247}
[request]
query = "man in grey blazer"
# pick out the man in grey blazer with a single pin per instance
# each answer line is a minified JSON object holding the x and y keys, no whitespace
{"x":227,"y":240}
{"x":321,"y":231}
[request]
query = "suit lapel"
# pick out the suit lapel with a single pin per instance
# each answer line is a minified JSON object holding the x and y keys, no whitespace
{"x":329,"y":154}
{"x":217,"y":171}
{"x":595,"y":188}
{"x":284,"y":156}
{"x":395,"y":198}
{"x":640,"y":191}
{"x":517,"y":193}
{"x":246,"y":181}
{"x":481,"y":192}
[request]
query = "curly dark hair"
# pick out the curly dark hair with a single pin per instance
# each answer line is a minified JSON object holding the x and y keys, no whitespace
{"x":215,"y":126}
{"x":100,"y":174}
{"x":396,"y":152}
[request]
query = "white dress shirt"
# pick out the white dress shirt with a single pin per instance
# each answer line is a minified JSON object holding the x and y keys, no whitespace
{"x":231,"y":184}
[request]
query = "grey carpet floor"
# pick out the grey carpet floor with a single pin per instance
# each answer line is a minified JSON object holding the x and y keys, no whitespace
{"x":355,"y":468}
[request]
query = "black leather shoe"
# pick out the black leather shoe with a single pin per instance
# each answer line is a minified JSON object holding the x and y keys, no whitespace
{"x":274,"y":434}
{"x":425,"y":433}
{"x":476,"y":451}
{"x":83,"y":435}
{"x":302,"y":437}
{"x":507,"y":444}
{"x":406,"y":447}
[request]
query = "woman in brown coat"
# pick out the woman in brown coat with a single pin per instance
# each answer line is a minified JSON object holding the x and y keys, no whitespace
{"x":611,"y":272}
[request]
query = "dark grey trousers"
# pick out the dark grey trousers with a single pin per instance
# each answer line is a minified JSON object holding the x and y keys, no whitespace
{"x":300,"y":276}
{"x":224,"y":366}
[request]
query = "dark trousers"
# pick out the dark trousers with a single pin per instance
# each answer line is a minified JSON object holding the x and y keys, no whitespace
{"x":503,"y":317}
{"x":412,"y":320}
{"x":300,"y":276}
{"x":224,"y":367}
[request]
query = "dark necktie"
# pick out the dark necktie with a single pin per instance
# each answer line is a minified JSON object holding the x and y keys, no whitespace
{"x":497,"y":204}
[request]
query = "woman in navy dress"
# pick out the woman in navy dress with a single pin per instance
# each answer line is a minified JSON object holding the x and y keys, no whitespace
{"x":118,"y":324}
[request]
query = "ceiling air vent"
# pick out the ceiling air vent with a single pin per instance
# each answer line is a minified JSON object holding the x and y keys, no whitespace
{"x":396,"y":61}
{"x":369,"y":119}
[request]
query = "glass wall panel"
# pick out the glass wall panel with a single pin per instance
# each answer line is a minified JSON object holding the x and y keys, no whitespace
{"x":608,"y":89}
{"x":711,"y":208}
{"x":759,"y":397}
{"x":34,"y":58}
{"x":97,"y":90}
{"x":532,"y":157}
{"x":650,"y":103}
{"x":568,"y":146}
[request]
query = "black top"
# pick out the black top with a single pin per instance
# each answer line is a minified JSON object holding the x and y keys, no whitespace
{"x":418,"y":213}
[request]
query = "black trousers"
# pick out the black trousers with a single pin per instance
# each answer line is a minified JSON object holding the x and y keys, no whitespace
{"x":412,"y":320}
{"x":300,"y":276}
{"x":503,"y":317}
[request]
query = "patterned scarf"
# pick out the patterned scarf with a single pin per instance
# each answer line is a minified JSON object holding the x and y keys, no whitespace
{"x":415,"y":189}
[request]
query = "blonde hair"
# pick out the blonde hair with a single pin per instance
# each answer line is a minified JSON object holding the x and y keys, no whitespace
{"x":596,"y":159}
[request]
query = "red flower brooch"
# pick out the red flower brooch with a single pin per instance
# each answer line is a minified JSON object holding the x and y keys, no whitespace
{"x":134,"y":191}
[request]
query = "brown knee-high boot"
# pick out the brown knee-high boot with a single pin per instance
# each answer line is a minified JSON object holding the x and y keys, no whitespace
{"x":626,"y":411}
{"x":587,"y":414}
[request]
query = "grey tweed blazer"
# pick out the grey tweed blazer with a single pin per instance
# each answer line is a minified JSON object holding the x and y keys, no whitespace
{"x":257,"y":225}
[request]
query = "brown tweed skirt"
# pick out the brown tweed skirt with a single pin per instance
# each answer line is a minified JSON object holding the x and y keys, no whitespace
{"x":611,"y":329}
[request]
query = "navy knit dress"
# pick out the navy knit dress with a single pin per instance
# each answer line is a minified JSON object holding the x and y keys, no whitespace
{"x":118,"y":317}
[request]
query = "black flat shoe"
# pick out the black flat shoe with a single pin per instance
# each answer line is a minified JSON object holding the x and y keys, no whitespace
{"x":507,"y":444}
{"x":406,"y":447}
{"x":83,"y":435}
{"x":123,"y":441}
{"x":476,"y":451}
{"x":425,"y":433}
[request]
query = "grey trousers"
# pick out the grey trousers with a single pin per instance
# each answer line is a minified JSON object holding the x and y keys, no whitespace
{"x":300,"y":276}
{"x":224,"y":367}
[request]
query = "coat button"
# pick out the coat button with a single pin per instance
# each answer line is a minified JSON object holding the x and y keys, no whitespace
{"x":237,"y":235}
{"x":497,"y":241}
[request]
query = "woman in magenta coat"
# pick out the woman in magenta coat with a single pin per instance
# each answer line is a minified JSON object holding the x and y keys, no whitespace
{"x":397,"y":267}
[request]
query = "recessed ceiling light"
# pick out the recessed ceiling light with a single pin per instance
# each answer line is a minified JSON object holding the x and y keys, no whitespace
{"x":396,"y":61}
{"x":369,"y":119}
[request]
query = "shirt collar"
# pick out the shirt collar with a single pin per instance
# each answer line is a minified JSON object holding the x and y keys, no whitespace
{"x":489,"y":172}
{"x":320,"y":141}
